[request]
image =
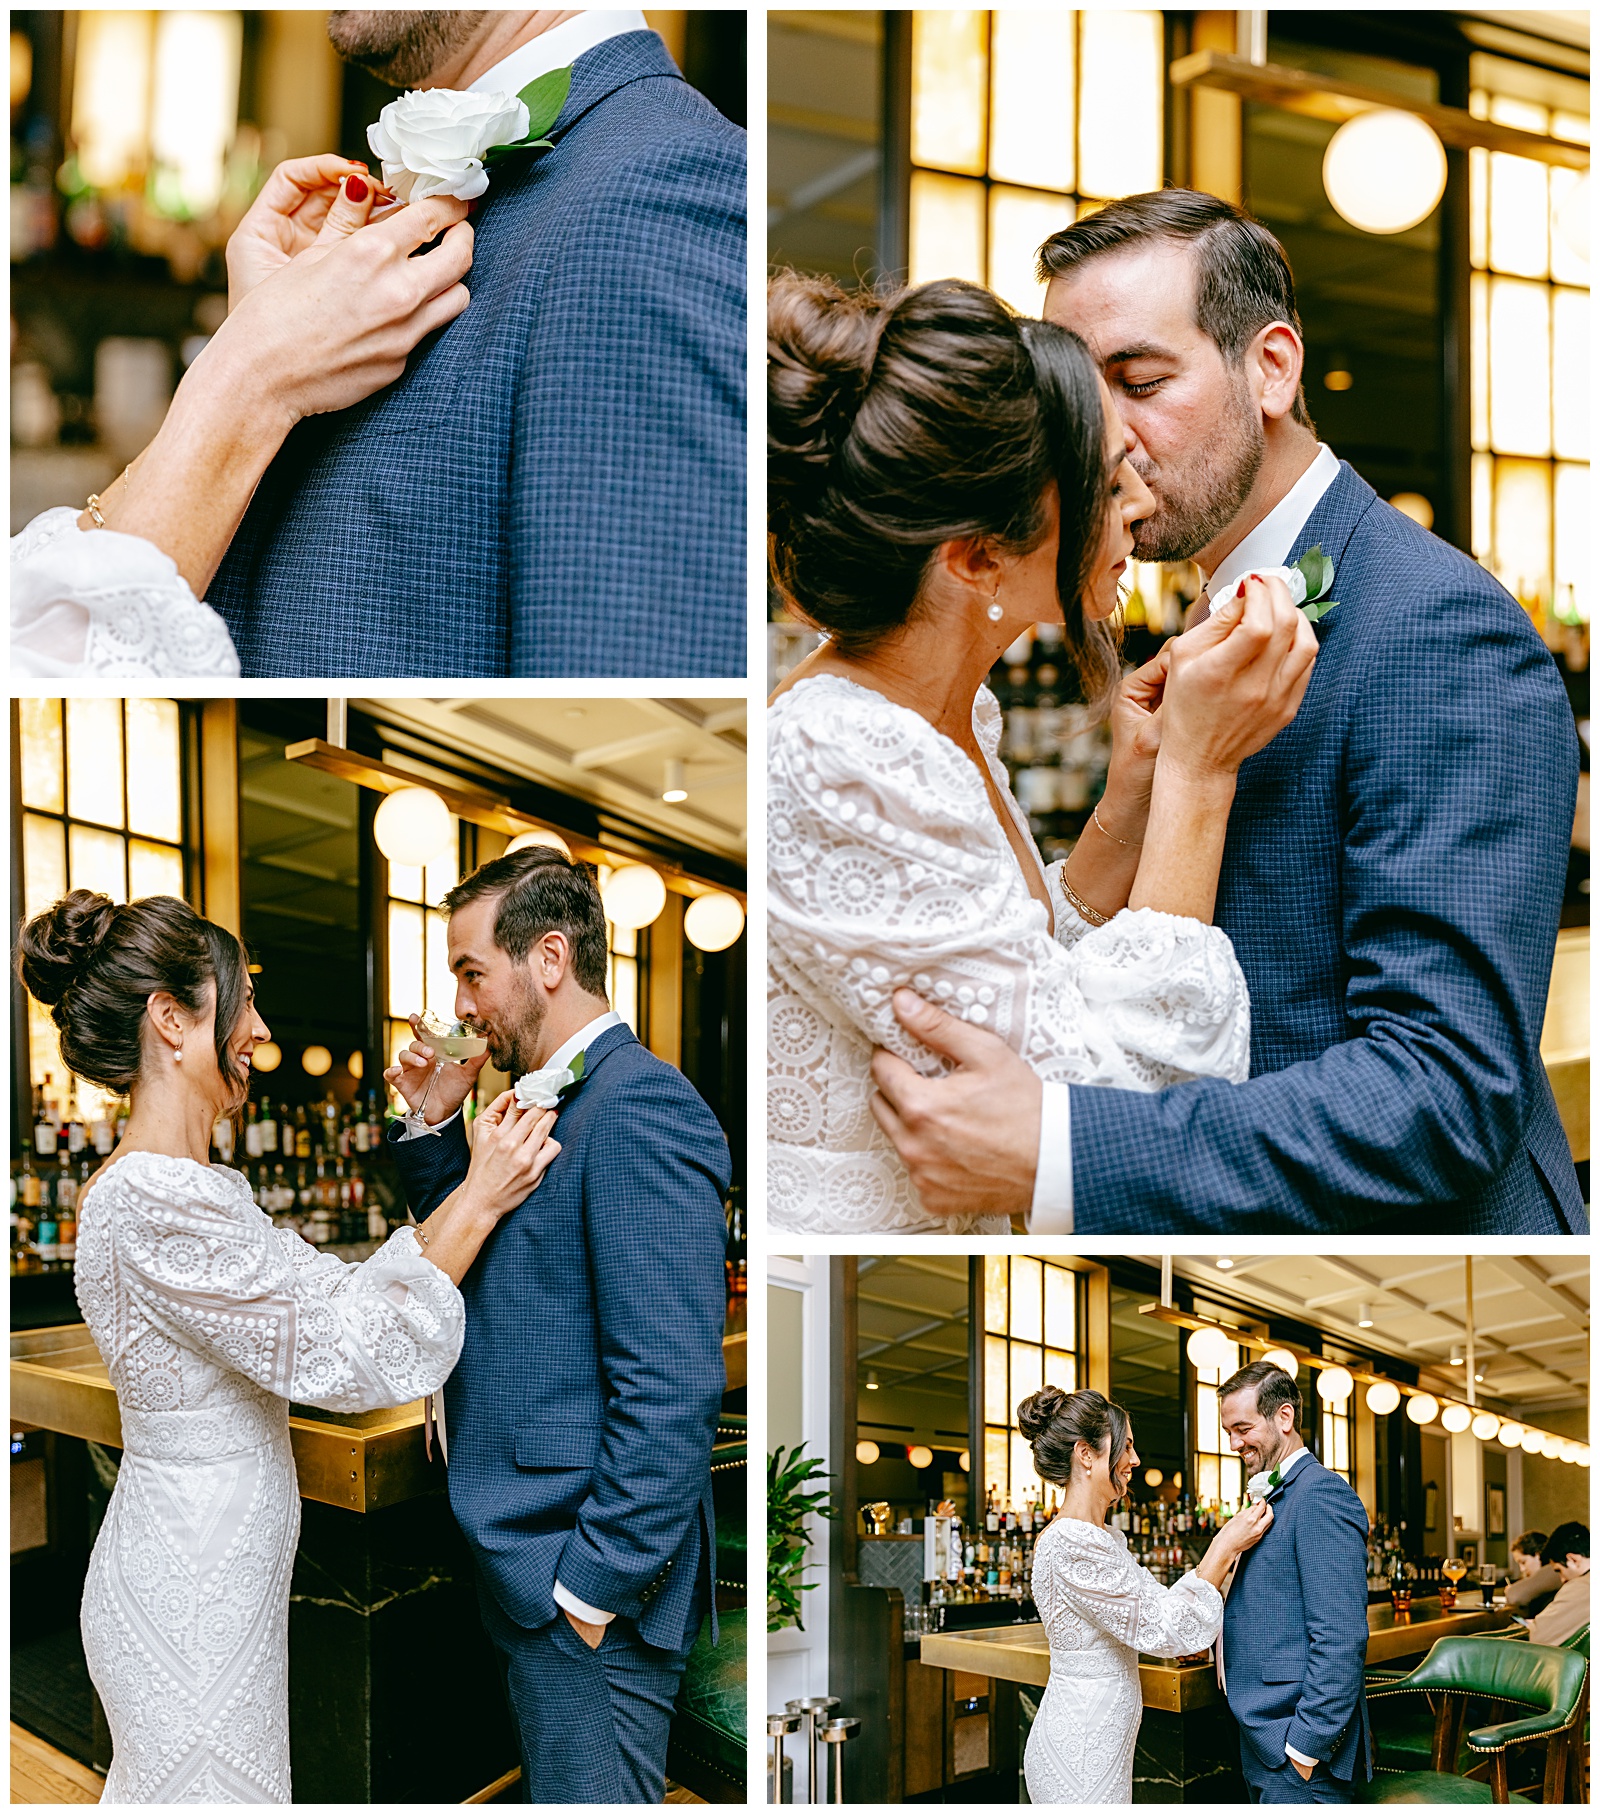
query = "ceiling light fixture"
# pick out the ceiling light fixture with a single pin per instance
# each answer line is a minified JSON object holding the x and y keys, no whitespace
{"x":1364,"y":1318}
{"x":674,"y":793}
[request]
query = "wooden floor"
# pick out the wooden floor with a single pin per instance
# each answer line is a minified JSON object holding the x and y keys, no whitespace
{"x":41,"y":1773}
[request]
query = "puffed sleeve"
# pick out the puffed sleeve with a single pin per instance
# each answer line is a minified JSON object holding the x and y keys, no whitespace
{"x":887,"y":867}
{"x":210,"y":1270}
{"x":88,"y":603}
{"x":1103,"y":1583}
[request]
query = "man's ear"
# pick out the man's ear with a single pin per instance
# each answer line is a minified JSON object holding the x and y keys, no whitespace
{"x":551,"y":958}
{"x":1277,"y":357}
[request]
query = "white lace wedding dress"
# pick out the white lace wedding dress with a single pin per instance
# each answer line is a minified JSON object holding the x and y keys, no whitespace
{"x":1100,"y":1609}
{"x":87,"y":604}
{"x":210,"y":1321}
{"x":886,"y":866}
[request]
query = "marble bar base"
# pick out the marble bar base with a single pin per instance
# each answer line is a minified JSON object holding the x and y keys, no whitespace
{"x":394,"y":1688}
{"x":1190,"y":1756}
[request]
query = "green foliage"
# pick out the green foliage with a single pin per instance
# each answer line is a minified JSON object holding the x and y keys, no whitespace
{"x":1318,"y":572}
{"x":544,"y":99}
{"x":788,"y":1507}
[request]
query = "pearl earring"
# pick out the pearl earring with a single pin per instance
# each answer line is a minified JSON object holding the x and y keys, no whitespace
{"x":177,"y":1056}
{"x":996,"y":611}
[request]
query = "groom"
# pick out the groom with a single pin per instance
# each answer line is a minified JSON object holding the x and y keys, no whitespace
{"x":1396,"y":857}
{"x":1294,"y":1630}
{"x":581,"y":1415}
{"x":556,"y":485}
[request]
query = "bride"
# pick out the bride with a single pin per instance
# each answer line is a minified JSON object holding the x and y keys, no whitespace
{"x":323,"y":311}
{"x":1099,"y":1607}
{"x":942,"y":476}
{"x":210,"y":1321}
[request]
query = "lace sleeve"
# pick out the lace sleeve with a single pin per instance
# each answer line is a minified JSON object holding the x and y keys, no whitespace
{"x":887,"y":868}
{"x":219,"y":1279}
{"x":1103,"y":1583}
{"x":92,"y":603}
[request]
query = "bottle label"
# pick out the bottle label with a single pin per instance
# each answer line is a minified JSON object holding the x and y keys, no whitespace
{"x":44,"y":1138}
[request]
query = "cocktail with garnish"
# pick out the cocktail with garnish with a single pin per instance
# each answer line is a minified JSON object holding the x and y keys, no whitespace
{"x":1454,"y":1569}
{"x":453,"y":1042}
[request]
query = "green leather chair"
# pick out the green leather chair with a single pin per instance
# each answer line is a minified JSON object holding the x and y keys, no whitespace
{"x":1552,"y":1684}
{"x":707,"y":1749}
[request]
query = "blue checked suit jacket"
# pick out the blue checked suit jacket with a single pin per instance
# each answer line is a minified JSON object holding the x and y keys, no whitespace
{"x":556,"y":485}
{"x":581,"y":1414}
{"x":1294,"y":1630}
{"x":1392,"y":885}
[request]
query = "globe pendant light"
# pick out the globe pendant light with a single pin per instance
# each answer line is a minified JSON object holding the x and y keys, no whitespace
{"x":1334,"y":1385}
{"x":1485,"y":1426}
{"x":1209,"y":1350}
{"x":1384,"y":171}
{"x":713,"y":922}
{"x":1422,"y":1408}
{"x":634,"y":896}
{"x":1383,"y":1396}
{"x":1281,"y":1357}
{"x":1456,"y":1418}
{"x":539,"y":840}
{"x":412,"y":826}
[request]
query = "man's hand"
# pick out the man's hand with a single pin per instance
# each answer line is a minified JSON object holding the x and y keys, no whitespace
{"x":970,"y":1140}
{"x":454,"y":1084}
{"x":591,"y":1634}
{"x":1302,"y":1770}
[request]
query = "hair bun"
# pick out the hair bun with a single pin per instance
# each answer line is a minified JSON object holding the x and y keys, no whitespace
{"x":1036,"y":1414}
{"x":55,"y":947}
{"x":820,"y":346}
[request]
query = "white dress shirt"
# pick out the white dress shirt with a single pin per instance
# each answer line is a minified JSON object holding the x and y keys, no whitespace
{"x":1267,"y":545}
{"x":557,"y":48}
{"x":563,"y":1054}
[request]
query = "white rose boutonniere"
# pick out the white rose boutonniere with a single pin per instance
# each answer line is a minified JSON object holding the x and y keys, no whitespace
{"x":544,"y":1089}
{"x":438,"y":141}
{"x":1308,"y":581}
{"x":1258,"y":1486}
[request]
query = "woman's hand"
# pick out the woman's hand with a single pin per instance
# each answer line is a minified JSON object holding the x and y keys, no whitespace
{"x":1235,"y":681}
{"x":1244,"y":1530}
{"x":339,"y":320}
{"x":1135,"y":744}
{"x":304,"y":200}
{"x":511,"y":1151}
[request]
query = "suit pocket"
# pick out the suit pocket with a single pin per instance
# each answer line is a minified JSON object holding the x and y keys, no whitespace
{"x":557,"y":1445}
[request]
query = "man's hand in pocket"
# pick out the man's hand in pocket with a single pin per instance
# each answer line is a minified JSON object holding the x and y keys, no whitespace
{"x":591,"y":1634}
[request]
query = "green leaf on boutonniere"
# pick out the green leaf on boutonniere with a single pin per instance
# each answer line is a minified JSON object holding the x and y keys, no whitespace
{"x":544,"y":99}
{"x":576,"y":1067}
{"x":1317,"y":571}
{"x":1275,"y":1478}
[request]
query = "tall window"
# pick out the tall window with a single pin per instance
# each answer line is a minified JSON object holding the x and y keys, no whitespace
{"x":622,"y":963}
{"x":419,"y":961}
{"x":1218,"y":1472}
{"x":102,"y":798}
{"x":1530,"y":346}
{"x":1020,"y":123}
{"x":1030,"y":1336}
{"x":1336,"y":1445}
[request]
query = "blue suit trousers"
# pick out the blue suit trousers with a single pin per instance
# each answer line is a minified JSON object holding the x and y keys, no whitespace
{"x":1286,"y":1783}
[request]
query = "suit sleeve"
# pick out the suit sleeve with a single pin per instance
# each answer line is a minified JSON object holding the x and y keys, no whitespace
{"x":1457,"y":804}
{"x":654,"y":1180}
{"x":430,"y":1166}
{"x":628,"y":463}
{"x":1330,"y":1549}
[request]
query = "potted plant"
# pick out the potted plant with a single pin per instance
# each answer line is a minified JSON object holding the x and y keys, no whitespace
{"x":789,"y":1504}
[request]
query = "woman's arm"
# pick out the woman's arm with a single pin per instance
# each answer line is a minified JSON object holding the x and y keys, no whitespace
{"x":332,"y":327}
{"x":511,"y":1150}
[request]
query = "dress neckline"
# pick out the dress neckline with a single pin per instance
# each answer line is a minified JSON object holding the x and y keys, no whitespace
{"x":142,"y":1152}
{"x":986,"y":726}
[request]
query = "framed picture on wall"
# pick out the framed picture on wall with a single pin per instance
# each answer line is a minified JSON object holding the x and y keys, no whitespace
{"x":1430,"y":1507}
{"x":1497,"y":1509}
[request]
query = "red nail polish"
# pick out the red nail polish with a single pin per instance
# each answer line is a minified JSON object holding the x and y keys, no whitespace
{"x":355,"y":190}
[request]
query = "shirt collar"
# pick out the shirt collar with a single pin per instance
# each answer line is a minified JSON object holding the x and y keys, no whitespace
{"x":1285,"y":1466}
{"x":557,"y":48}
{"x":585,"y":1035}
{"x":1268,"y":544}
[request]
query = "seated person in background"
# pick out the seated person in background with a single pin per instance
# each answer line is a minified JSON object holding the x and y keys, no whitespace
{"x":1567,"y":1553}
{"x":1534,"y":1584}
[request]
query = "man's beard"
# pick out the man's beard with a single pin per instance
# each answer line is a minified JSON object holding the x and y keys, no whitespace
{"x":516,"y":1050}
{"x":1196,"y":502}
{"x":1271,"y":1454}
{"x":400,"y":48}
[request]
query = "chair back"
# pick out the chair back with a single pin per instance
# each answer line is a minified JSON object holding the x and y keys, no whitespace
{"x":1579,"y":1641}
{"x":1533,"y":1675}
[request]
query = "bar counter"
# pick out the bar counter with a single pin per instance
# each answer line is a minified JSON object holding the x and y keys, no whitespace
{"x":1181,"y":1757}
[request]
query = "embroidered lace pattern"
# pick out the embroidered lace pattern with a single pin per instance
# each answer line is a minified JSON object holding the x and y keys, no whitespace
{"x":210,"y":1321}
{"x":101,"y":604}
{"x":886,"y":866}
{"x":1100,"y":1609}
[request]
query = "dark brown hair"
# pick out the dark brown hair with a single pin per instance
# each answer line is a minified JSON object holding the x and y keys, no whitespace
{"x":95,"y":964}
{"x":1243,"y":279}
{"x":1272,"y":1386}
{"x":542,"y":891}
{"x":1570,"y":1539}
{"x":1055,"y":1422}
{"x":1530,"y":1543}
{"x":901,"y":420}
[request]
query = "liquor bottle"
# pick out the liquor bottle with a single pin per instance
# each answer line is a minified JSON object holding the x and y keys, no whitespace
{"x":252,"y":1131}
{"x":122,"y":1120}
{"x":736,"y":1262}
{"x":48,"y":1237}
{"x":66,"y":1215}
{"x":222,"y":1138}
{"x":101,"y":1135}
{"x":28,"y":1182}
{"x":269,"y":1129}
{"x":44,"y":1128}
{"x":302,"y":1133}
{"x":77,"y":1133}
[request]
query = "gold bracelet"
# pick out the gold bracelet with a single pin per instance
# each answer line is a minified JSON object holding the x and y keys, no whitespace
{"x":93,"y":507}
{"x":1126,"y":843}
{"x":1076,"y":900}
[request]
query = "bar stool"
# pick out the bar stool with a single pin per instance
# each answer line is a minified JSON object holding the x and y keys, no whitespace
{"x":814,"y":1712}
{"x":836,"y":1733}
{"x":779,"y":1724}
